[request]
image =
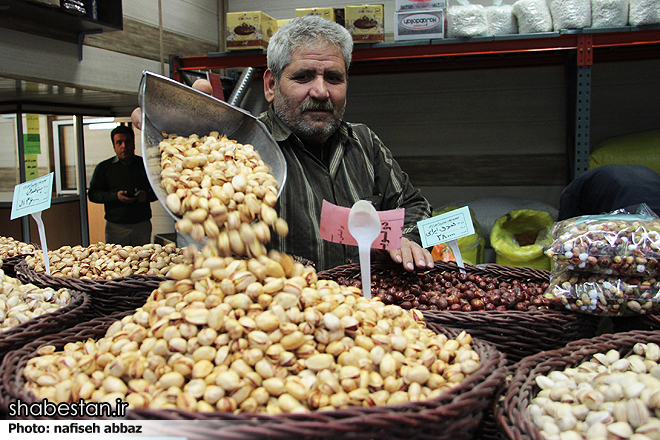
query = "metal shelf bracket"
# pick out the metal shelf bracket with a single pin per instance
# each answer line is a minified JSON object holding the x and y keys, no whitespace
{"x":585,"y":43}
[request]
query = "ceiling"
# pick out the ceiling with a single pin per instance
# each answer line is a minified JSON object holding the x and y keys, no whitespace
{"x":53,"y":98}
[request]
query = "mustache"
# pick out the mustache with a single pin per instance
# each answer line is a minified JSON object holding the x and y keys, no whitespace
{"x":315,"y":105}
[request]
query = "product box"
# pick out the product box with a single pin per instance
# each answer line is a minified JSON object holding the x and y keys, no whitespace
{"x":415,"y":5}
{"x":419,"y":25}
{"x":249,"y":30}
{"x":328,"y":13}
{"x":365,"y":22}
{"x":282,"y":22}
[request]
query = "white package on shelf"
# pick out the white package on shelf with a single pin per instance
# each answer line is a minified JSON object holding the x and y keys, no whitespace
{"x":533,"y":16}
{"x":570,"y":14}
{"x":466,"y":21}
{"x":609,"y":13}
{"x":501,"y":20}
{"x":644,"y":12}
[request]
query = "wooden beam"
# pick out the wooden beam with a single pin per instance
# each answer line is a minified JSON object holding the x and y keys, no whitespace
{"x":487,"y":170}
{"x":142,"y":40}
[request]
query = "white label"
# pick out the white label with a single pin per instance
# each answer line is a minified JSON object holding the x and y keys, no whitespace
{"x":420,"y":21}
{"x":32,"y":196}
{"x":446,"y":227}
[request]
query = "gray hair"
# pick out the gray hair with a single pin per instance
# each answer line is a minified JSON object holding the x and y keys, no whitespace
{"x":303,"y":30}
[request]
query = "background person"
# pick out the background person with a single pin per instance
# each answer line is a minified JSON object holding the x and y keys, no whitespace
{"x":121,"y":184}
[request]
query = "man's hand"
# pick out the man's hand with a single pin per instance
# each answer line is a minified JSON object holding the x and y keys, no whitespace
{"x":411,"y":255}
{"x":200,"y":84}
{"x":125,"y":197}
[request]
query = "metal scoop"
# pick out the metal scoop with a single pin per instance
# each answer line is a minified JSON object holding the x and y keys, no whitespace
{"x":171,"y":107}
{"x":364,"y":226}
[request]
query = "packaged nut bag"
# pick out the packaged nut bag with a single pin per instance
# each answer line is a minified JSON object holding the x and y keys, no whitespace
{"x":617,"y":244}
{"x":605,"y":295}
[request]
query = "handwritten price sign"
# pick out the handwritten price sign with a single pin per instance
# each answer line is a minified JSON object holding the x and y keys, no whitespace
{"x":446,"y":227}
{"x":33,"y":196}
{"x":334,"y":226}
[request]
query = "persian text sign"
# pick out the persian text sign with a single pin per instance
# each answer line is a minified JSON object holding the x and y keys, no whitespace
{"x":446,"y":227}
{"x":334,"y":226}
{"x":33,"y":196}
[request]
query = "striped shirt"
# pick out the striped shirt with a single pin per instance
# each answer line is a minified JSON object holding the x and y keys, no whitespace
{"x":359,"y":167}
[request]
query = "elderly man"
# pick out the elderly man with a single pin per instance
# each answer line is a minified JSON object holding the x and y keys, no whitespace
{"x":328,"y":158}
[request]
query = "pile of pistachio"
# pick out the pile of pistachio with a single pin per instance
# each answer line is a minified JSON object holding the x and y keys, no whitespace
{"x":255,"y":335}
{"x":22,"y":302}
{"x":222,"y":191}
{"x":104,"y":261}
{"x":10,"y":247}
{"x":607,"y":397}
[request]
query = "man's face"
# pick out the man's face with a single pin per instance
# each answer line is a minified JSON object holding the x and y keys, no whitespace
{"x":310,"y":97}
{"x":124,"y":147}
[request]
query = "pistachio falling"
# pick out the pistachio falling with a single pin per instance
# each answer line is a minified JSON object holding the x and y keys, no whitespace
{"x":222,"y":191}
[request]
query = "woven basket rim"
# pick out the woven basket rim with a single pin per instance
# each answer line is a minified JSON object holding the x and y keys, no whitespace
{"x":80,"y":302}
{"x":490,"y":269}
{"x":481,"y":384}
{"x":27,"y":274}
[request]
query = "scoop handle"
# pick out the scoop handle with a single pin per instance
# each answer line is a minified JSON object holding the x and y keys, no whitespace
{"x":365,"y":268}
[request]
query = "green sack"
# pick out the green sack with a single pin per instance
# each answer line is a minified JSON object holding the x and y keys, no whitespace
{"x":642,"y":148}
{"x":519,"y":238}
{"x":473,"y":246}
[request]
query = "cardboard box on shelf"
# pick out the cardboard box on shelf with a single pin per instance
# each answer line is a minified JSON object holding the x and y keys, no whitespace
{"x":419,"y":25}
{"x":282,"y":22}
{"x":328,"y":13}
{"x":249,"y":30}
{"x":416,"y":5}
{"x":365,"y":22}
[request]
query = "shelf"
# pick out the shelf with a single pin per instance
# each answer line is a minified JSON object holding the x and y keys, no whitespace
{"x":538,"y":48}
{"x":53,"y":22}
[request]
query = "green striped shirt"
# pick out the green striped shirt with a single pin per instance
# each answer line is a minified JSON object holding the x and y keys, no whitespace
{"x":360,"y":168}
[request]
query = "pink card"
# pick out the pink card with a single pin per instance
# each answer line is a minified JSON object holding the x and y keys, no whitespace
{"x":334,"y":226}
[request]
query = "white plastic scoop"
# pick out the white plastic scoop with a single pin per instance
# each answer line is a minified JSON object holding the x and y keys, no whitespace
{"x":364,"y":226}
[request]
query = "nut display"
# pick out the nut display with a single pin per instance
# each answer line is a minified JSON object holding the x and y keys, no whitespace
{"x":256,"y":335}
{"x":10,"y":247}
{"x":604,"y":295}
{"x":625,"y":246}
{"x":607,"y":397}
{"x":108,"y":261}
{"x":22,"y":302}
{"x":222,"y":191}
{"x":454,"y":291}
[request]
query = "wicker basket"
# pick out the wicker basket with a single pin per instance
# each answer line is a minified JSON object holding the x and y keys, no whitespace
{"x":9,"y":264}
{"x":515,"y":333}
{"x":520,"y":389}
{"x":454,"y":415}
{"x":108,"y":296}
{"x":11,"y":379}
{"x":65,"y":317}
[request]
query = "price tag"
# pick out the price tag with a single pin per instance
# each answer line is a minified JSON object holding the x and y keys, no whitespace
{"x":33,"y":196}
{"x":446,"y":227}
{"x":334,"y":226}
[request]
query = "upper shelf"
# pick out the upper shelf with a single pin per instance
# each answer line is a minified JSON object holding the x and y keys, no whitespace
{"x":53,"y":22}
{"x":540,"y":46}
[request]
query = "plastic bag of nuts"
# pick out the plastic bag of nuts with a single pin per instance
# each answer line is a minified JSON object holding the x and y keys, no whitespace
{"x":618,"y":244}
{"x":603,"y":294}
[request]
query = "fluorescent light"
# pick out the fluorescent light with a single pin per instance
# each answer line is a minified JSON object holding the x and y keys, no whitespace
{"x":103,"y":126}
{"x":97,"y":120}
